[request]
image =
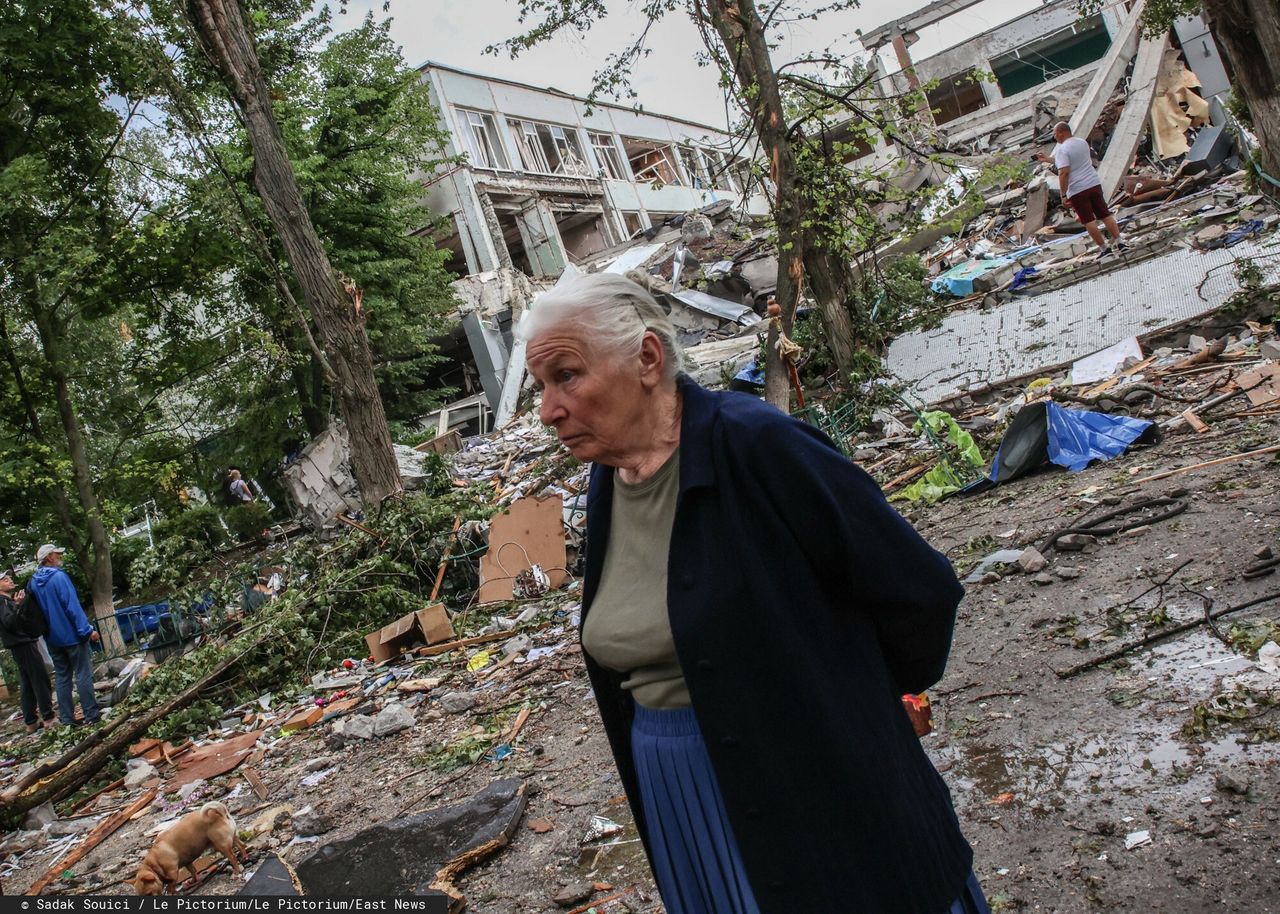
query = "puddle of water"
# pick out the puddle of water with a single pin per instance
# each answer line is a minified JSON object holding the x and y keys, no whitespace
{"x":1044,"y":778}
{"x":620,"y":854}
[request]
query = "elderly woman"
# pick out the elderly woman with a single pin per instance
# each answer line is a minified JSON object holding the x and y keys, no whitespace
{"x":752,"y":612}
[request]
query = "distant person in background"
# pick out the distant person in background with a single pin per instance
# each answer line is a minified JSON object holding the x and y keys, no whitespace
{"x":1081,"y":187}
{"x":69,"y":635}
{"x":239,"y":488}
{"x":21,"y":628}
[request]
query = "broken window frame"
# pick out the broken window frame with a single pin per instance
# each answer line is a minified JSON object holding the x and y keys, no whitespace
{"x":607,"y":156}
{"x":694,"y":167}
{"x":484,"y":142}
{"x":717,"y":169}
{"x":549,"y":149}
{"x":950,"y":99}
{"x":658,"y":166}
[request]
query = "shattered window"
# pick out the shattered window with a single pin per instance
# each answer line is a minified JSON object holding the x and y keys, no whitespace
{"x":529,"y":146}
{"x":549,"y":149}
{"x":957,"y":96}
{"x":607,"y":155}
{"x":483,"y":142}
{"x":651,"y":163}
{"x":693,"y":167}
{"x":717,"y":170}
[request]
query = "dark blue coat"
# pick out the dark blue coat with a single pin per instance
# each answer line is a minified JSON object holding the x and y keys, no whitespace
{"x":802,"y":607}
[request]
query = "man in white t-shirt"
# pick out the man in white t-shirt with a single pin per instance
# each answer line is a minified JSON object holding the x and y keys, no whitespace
{"x":1081,"y":187}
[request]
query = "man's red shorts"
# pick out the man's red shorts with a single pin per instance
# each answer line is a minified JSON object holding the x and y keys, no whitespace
{"x":1090,"y":205}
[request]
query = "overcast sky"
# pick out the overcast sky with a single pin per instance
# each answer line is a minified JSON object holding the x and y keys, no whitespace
{"x":669,"y":81}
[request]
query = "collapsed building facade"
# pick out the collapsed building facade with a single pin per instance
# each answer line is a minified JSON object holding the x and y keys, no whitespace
{"x":1002,"y":84}
{"x":548,"y":178}
{"x":538,"y":182}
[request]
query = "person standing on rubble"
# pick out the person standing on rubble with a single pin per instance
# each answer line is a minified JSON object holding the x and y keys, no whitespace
{"x":753,"y":610}
{"x":69,"y":636}
{"x":21,"y":628}
{"x":1081,"y":187}
{"x":239,"y":488}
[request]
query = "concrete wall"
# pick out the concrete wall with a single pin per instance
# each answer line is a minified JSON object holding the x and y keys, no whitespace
{"x":1008,"y":36}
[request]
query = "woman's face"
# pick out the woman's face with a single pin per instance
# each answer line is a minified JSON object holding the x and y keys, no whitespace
{"x":593,"y":400}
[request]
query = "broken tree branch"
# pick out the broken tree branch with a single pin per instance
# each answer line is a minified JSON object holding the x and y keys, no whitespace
{"x":76,"y":768}
{"x":1160,"y":636}
{"x":1262,"y":451}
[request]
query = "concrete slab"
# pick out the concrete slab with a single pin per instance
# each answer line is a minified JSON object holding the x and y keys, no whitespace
{"x":404,"y":856}
{"x":978,"y":349}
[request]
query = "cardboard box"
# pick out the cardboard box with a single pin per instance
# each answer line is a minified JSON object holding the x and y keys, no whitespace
{"x":429,"y":625}
{"x":530,"y":532}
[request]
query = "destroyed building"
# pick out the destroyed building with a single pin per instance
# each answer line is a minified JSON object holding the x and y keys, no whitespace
{"x":548,"y":178}
{"x":986,"y":90}
{"x":539,"y":181}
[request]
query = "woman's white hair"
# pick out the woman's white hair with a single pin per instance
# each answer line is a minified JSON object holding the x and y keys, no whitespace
{"x":613,"y":313}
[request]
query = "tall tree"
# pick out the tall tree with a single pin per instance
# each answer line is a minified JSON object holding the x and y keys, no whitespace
{"x":57,"y":135}
{"x":225,"y":39}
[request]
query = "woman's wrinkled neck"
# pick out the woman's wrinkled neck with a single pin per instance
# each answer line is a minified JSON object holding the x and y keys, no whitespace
{"x":661,"y":438}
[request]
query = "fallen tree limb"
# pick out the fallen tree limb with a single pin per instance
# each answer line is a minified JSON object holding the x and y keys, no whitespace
{"x":1208,"y":463}
{"x":1162,"y":635}
{"x":100,"y":833}
{"x":76,"y":768}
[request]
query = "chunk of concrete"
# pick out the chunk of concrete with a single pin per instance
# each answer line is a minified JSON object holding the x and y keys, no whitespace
{"x":308,"y":823}
{"x":1031,"y":561}
{"x":43,"y":815}
{"x":392,"y":719}
{"x":400,"y":856}
{"x":457,"y":702}
{"x":357,"y":726}
{"x":1075,"y":542}
{"x":139,"y":773}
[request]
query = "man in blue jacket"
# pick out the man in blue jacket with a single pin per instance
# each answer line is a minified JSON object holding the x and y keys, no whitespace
{"x":69,"y":635}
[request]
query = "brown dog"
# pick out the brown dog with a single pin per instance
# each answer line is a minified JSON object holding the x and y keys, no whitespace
{"x":179,"y":845}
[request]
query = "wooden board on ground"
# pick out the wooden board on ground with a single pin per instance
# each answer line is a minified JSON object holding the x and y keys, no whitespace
{"x":530,"y":532}
{"x":208,"y":762}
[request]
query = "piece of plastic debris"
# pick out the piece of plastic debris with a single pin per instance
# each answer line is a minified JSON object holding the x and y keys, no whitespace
{"x":478,"y":662}
{"x":599,"y":827}
{"x":312,"y":780}
{"x":1137,"y":839}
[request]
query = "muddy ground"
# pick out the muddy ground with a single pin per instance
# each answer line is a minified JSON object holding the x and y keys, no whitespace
{"x":1051,"y":776}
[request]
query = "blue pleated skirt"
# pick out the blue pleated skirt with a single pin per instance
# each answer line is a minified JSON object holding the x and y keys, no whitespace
{"x":695,"y":857}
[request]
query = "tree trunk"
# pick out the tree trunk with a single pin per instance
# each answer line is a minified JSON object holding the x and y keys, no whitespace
{"x":61,"y":504}
{"x":741,"y":30}
{"x":1248,"y":33}
{"x":830,"y":282}
{"x":82,"y":476}
{"x":225,"y":39}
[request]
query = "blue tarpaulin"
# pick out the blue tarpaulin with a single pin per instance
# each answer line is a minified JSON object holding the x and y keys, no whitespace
{"x":750,"y":373}
{"x":1070,"y":438}
{"x":1077,"y":437}
{"x":958,"y":281}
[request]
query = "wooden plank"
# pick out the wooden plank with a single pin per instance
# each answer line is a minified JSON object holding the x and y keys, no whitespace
{"x":255,"y":781}
{"x":1209,"y":463}
{"x":100,"y":833}
{"x":1198,"y":424}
